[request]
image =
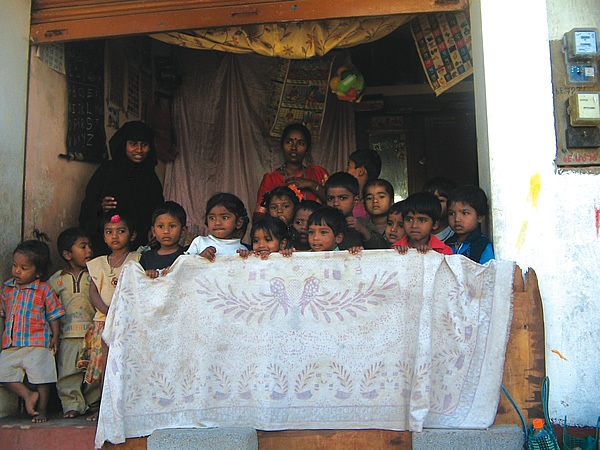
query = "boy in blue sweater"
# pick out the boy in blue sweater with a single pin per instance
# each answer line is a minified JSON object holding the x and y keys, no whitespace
{"x":467,"y":207}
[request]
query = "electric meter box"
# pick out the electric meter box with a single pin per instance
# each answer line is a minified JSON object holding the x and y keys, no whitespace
{"x":581,"y":44}
{"x":584,"y":109}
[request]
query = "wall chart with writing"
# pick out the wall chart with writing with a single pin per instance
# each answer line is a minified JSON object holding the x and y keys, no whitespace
{"x":84,"y":62}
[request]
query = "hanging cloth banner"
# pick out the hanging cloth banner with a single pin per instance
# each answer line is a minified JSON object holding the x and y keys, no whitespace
{"x":316,"y":341}
{"x":444,"y":45}
{"x":294,"y":40}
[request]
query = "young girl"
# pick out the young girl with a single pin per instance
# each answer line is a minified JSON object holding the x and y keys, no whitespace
{"x":378,"y":196}
{"x":104,"y":272}
{"x":299,"y":228}
{"x":268,"y":235}
{"x":30,"y":309}
{"x":168,"y":224}
{"x":281,"y":203}
{"x":227,"y":221}
{"x":394,"y":230}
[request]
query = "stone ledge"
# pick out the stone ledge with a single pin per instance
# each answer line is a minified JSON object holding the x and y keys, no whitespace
{"x":203,"y":439}
{"x":497,"y":437}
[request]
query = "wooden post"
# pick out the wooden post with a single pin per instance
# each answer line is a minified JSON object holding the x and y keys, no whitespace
{"x":524,"y":366}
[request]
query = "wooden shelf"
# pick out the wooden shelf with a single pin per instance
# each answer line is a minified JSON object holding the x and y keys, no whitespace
{"x":415,"y":89}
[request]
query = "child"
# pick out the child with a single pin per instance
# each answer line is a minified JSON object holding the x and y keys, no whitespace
{"x":441,"y":188}
{"x":326,"y":227}
{"x":394,"y":229}
{"x":378,"y":196}
{"x":299,"y":229}
{"x":72,"y":285}
{"x":104,"y":272}
{"x":168,"y":223}
{"x":227,"y":220}
{"x":421,"y":212}
{"x":467,"y":207}
{"x":341,"y":190}
{"x":30,"y":338}
{"x":364,"y":165}
{"x":268,"y":235}
{"x":281,"y":202}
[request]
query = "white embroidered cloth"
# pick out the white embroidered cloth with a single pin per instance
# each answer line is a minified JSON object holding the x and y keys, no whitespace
{"x":315,"y":341}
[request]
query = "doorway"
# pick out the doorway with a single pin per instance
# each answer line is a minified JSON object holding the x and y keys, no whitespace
{"x":400,"y":115}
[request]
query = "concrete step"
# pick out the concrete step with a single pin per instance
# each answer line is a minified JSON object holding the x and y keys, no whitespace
{"x":18,"y":432}
{"x":227,"y":438}
{"x":497,"y":437}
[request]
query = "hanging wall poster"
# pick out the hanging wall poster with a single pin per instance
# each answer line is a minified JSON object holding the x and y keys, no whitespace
{"x":302,"y":88}
{"x":84,"y":64}
{"x":444,"y":45}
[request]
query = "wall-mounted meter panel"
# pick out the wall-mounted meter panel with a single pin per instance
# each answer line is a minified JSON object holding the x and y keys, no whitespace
{"x":581,"y":49}
{"x":584,"y":109}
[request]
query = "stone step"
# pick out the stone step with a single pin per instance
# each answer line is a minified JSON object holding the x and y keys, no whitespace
{"x":497,"y":437}
{"x":227,"y":438}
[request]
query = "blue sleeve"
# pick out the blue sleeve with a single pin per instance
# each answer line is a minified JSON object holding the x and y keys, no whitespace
{"x":488,"y":253}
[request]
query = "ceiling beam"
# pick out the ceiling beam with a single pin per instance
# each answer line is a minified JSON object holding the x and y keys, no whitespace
{"x":62,"y":20}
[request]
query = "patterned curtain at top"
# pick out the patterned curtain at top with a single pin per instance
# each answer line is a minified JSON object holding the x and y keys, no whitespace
{"x":292,"y":40}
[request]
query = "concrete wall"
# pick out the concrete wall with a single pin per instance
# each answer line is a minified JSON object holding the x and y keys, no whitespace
{"x":541,"y":219}
{"x":54,"y":187}
{"x":14,"y":50}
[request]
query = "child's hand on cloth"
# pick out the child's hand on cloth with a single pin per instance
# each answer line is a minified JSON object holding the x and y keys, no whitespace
{"x":244,"y":253}
{"x":209,"y":253}
{"x":152,"y":273}
{"x":287,"y":252}
{"x":356,"y":250}
{"x":423,"y":248}
{"x":402,"y":249}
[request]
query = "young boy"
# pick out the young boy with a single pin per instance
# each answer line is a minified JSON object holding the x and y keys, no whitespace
{"x":394,"y":229}
{"x":364,"y":165}
{"x":30,"y":337}
{"x":441,"y":188}
{"x":326,"y":228}
{"x":467,"y":208}
{"x":341,"y":191}
{"x":168,"y":224}
{"x":72,"y":285}
{"x":421,"y":212}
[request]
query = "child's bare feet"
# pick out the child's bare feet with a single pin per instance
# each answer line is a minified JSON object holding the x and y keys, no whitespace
{"x":31,"y":402}
{"x":71,"y":414}
{"x":93,"y":417}
{"x":40,"y":417}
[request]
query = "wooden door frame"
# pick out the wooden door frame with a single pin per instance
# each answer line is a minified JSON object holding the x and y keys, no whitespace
{"x":70,"y":20}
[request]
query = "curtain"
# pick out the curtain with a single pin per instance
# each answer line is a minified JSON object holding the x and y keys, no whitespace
{"x":294,"y":40}
{"x":222,"y":117}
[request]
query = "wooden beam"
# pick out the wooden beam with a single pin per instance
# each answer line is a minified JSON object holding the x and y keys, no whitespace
{"x":61,"y":20}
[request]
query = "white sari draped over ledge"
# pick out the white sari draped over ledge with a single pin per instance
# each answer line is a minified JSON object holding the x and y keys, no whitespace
{"x":315,"y":341}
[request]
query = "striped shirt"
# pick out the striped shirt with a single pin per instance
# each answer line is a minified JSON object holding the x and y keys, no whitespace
{"x":27,"y":313}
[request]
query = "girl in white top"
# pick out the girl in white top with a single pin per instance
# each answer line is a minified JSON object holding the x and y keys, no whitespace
{"x":227,"y":221}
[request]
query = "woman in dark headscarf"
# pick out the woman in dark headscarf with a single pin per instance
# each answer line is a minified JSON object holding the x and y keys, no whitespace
{"x":127,"y":182}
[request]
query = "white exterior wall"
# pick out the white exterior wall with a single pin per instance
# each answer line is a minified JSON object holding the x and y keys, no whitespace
{"x":541,"y":219}
{"x":14,"y":63}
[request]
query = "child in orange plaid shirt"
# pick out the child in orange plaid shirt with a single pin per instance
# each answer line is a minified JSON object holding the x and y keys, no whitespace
{"x":30,"y":339}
